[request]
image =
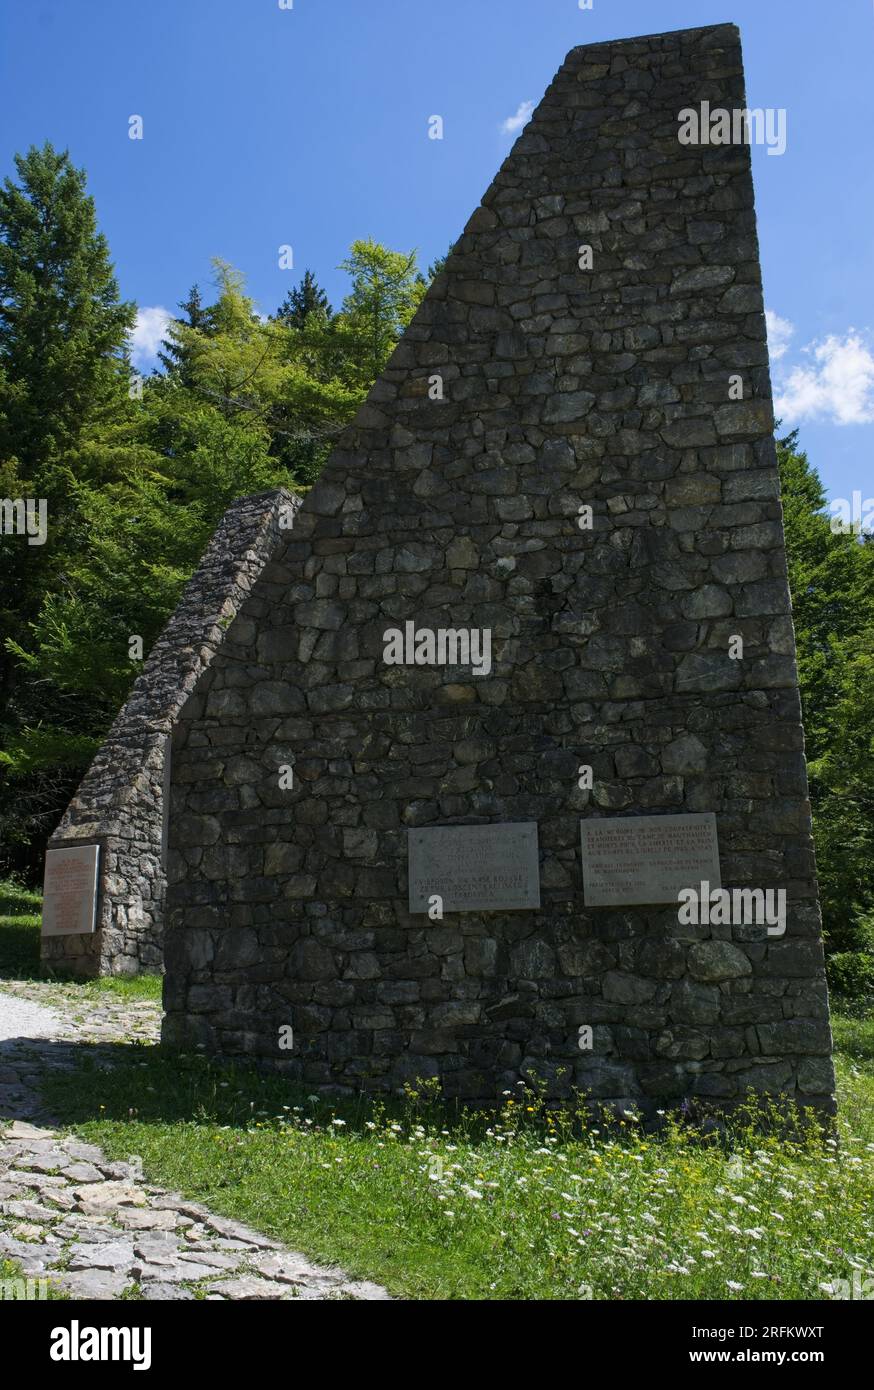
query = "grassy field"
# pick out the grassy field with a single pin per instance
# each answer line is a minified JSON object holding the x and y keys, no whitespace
{"x":529,"y":1204}
{"x":19,"y":931}
{"x":19,"y":949}
{"x":526,"y":1204}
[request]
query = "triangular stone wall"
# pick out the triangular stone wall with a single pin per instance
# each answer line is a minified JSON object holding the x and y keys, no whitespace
{"x":119,"y":804}
{"x":563,"y":387}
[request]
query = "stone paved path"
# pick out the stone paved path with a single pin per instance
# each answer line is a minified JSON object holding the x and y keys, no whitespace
{"x":95,"y":1227}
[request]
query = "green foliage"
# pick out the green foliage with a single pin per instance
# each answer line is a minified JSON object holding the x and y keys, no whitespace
{"x":62,"y":367}
{"x":439,"y":265}
{"x":62,"y":325}
{"x":173,"y":357}
{"x":136,"y":486}
{"x":386,"y":292}
{"x":832,"y":582}
{"x":305,"y":299}
{"x":63,"y":382}
{"x":266,"y":379}
{"x":20,"y":918}
{"x":33,"y":750}
{"x":528,"y":1203}
{"x":851,"y":973}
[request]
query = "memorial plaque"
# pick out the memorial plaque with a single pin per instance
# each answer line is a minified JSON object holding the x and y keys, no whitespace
{"x":70,"y":890}
{"x":647,"y":859}
{"x":475,"y":868}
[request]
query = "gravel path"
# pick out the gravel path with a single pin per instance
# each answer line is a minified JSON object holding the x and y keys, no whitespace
{"x":19,"y":1018}
{"x":95,"y":1227}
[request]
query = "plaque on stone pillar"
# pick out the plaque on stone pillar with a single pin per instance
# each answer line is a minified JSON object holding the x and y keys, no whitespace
{"x":647,"y":859}
{"x":474,"y":868}
{"x":70,"y":891}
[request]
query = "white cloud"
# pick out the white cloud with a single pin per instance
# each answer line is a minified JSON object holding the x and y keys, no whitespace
{"x":837,"y":386}
{"x":145,"y":338}
{"x":523,"y":115}
{"x":779,"y":333}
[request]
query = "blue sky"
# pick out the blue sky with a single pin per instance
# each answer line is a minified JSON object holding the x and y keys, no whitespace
{"x":308,"y":127}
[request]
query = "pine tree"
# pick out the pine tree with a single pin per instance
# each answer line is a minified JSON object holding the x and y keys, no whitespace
{"x":63,"y":367}
{"x":63,"y":328}
{"x":306,"y":298}
{"x":174,"y":357}
{"x":64,"y":382}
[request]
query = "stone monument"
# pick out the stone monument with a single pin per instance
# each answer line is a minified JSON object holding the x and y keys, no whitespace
{"x":117,"y":814}
{"x":512,"y":713}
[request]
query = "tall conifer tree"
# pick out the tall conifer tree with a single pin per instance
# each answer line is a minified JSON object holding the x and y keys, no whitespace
{"x":306,"y":298}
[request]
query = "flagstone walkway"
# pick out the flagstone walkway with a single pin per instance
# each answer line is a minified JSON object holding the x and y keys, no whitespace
{"x":96,"y":1228}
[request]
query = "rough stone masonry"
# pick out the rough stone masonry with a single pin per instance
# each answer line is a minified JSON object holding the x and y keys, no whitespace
{"x":563,"y":387}
{"x":119,"y":804}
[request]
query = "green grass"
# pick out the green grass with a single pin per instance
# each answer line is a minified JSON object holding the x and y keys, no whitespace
{"x":435,"y":1203}
{"x":855,"y":1038}
{"x":20,"y":913}
{"x":20,"y":919}
{"x":854,"y":1062}
{"x":528,"y":1205}
{"x":126,"y":986}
